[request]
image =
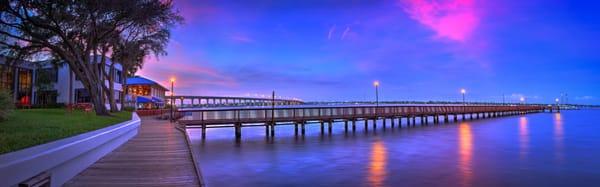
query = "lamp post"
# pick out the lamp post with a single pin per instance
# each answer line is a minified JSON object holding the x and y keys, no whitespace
{"x":376,"y":84}
{"x":172,"y":98}
{"x":463,"y":92}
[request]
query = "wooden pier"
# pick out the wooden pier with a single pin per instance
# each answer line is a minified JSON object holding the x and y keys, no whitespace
{"x":299,"y":116}
{"x":157,"y":156}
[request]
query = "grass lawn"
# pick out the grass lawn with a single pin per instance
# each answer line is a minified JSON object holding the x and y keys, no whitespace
{"x":26,"y":128}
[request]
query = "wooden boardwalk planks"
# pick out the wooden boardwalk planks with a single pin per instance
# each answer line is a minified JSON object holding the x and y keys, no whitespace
{"x":157,"y":156}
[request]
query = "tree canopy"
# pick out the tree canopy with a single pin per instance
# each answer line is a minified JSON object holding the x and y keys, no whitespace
{"x":83,"y":32}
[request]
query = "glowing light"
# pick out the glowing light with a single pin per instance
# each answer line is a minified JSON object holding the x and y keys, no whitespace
{"x":376,"y":83}
{"x":172,"y":79}
{"x":463,"y":91}
{"x":556,"y":100}
{"x":522,"y":99}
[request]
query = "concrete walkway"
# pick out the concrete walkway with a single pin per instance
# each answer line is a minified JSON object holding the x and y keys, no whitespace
{"x":157,"y":156}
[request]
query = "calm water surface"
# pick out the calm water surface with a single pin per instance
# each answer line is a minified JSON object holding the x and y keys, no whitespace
{"x":543,"y":149}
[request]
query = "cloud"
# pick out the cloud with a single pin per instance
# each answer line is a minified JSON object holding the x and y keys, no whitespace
{"x":345,"y":33}
{"x":450,"y":19}
{"x":587,"y":97}
{"x":330,"y":33}
{"x":242,"y":39}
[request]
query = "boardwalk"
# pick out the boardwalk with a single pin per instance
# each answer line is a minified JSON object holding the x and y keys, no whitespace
{"x":157,"y":156}
{"x":238,"y":117}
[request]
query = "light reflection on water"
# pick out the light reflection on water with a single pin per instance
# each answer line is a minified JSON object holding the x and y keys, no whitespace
{"x":558,"y":137}
{"x":544,"y":149}
{"x":465,"y":153}
{"x":523,"y":137}
{"x":377,"y":171}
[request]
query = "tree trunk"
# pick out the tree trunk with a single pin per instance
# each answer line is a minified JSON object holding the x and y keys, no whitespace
{"x":124,"y":88}
{"x":98,"y":100}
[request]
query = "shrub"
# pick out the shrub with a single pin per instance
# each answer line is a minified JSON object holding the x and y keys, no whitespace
{"x":6,"y":104}
{"x":129,"y":108}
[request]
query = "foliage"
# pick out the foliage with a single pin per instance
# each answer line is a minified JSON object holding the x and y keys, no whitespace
{"x":6,"y":104}
{"x":31,"y":127}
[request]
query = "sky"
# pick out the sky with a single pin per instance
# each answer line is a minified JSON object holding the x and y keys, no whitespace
{"x":319,"y":50}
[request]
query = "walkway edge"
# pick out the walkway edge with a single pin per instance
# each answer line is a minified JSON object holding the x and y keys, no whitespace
{"x":194,"y":159}
{"x":65,"y":158}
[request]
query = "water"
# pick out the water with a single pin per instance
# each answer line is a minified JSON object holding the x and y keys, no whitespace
{"x":543,"y":149}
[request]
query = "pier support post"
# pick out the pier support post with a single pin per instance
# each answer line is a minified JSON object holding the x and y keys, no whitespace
{"x":238,"y":130}
{"x":366,"y":125}
{"x":345,"y":125}
{"x":446,"y":118}
{"x":296,"y":128}
{"x":322,"y":127}
{"x":272,"y":129}
{"x":329,"y":127}
{"x":374,"y":123}
{"x":393,"y":122}
{"x":384,"y":119}
{"x":203,"y":131}
{"x":303,"y":128}
{"x":267,"y":129}
{"x":353,"y":125}
{"x":414,"y":119}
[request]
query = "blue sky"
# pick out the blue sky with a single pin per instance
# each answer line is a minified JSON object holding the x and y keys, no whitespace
{"x":417,"y":49}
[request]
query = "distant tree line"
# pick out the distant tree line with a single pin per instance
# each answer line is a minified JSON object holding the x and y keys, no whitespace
{"x":84,"y":33}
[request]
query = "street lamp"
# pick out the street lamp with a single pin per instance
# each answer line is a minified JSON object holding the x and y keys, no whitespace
{"x":463,"y":92}
{"x":172,"y":97}
{"x":556,"y":100}
{"x":522,"y":100}
{"x":376,"y":84}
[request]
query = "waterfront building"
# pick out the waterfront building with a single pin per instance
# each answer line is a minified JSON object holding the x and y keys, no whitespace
{"x":145,"y":93}
{"x":42,"y":84}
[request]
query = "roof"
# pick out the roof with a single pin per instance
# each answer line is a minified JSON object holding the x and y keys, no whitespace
{"x":139,"y":80}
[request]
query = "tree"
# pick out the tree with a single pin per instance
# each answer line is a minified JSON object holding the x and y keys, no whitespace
{"x":79,"y":32}
{"x":132,"y":50}
{"x":6,"y":104}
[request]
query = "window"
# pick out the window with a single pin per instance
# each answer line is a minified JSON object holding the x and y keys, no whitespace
{"x":45,"y":98}
{"x":118,"y":77}
{"x":24,"y":86}
{"x":6,"y":78}
{"x":118,"y":96}
{"x":82,"y":96}
{"x":139,"y":90}
{"x":47,"y":74}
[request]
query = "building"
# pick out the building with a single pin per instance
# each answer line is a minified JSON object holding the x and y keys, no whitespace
{"x":39,"y":84}
{"x":145,"y":93}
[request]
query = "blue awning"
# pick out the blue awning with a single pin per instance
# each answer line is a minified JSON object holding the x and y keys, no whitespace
{"x":140,"y":99}
{"x":157,"y":100}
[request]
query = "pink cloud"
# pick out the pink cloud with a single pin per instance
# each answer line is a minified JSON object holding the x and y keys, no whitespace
{"x":192,"y":72}
{"x":451,"y":19}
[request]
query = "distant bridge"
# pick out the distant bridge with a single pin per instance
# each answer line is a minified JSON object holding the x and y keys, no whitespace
{"x":220,"y":101}
{"x":269,"y":117}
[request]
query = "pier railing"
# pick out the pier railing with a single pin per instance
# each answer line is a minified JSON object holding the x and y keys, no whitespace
{"x":302,"y":114}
